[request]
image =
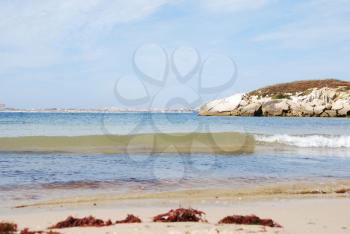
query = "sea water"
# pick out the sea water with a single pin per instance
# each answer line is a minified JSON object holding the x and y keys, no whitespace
{"x":285,"y":150}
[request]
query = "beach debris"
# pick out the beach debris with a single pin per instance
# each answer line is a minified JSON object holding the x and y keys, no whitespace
{"x":248,"y":220}
{"x":342,"y":191}
{"x":8,"y":228}
{"x":307,"y":192}
{"x":181,"y":215}
{"x":27,"y":231}
{"x":130,"y":219}
{"x":89,"y":221}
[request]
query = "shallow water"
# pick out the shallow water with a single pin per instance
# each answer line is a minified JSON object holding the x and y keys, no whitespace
{"x":286,"y":150}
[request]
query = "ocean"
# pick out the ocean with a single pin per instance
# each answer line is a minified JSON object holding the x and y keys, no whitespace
{"x":50,"y":155}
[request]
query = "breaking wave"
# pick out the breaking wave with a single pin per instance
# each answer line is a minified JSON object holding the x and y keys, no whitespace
{"x":307,"y":141}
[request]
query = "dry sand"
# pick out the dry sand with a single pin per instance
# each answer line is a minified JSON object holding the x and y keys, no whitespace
{"x":320,"y":214}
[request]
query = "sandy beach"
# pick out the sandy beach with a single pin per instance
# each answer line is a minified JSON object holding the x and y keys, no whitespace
{"x":302,"y":214}
{"x":174,"y":117}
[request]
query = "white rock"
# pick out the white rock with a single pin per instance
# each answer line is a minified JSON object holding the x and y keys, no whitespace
{"x":243,"y":103}
{"x":307,"y":109}
{"x":283,"y":105}
{"x":223,"y":105}
{"x":251,"y":109}
{"x":275,"y":107}
{"x":339,"y":104}
{"x":319,"y":109}
{"x":345,"y":111}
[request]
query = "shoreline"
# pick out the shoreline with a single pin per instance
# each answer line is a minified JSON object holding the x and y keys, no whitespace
{"x":280,"y":190}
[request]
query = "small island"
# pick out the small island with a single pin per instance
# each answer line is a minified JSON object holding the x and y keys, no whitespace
{"x":307,"y":98}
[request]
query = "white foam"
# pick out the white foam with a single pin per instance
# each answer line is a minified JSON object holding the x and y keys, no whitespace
{"x":310,"y":141}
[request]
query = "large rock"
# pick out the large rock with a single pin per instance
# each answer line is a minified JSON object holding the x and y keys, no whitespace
{"x":329,"y":113}
{"x":318,"y":110}
{"x":307,"y":109}
{"x":252,"y":109}
{"x":345,"y":111}
{"x":325,"y":95}
{"x":317,"y":102}
{"x":339,"y":104}
{"x":221,"y":106}
{"x":295,"y":108}
{"x":275,"y":108}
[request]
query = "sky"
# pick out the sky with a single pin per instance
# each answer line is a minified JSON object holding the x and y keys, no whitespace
{"x":142,"y":53}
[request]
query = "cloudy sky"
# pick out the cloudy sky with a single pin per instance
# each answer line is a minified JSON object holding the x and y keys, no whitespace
{"x":62,"y":53}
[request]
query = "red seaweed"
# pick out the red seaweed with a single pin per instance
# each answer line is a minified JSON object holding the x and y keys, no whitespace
{"x":130,"y":219}
{"x":342,"y":191}
{"x":7,"y":228}
{"x":248,"y":220}
{"x":26,"y":231}
{"x":83,"y":222}
{"x":181,"y":215}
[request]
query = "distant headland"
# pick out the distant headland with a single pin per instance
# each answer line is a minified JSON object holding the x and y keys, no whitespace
{"x":3,"y":108}
{"x":306,"y":98}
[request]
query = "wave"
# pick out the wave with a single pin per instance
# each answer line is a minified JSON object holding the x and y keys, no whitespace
{"x":224,"y":142}
{"x":307,"y":141}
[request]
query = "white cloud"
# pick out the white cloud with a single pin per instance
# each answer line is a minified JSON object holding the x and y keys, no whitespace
{"x":233,"y":5}
{"x":39,"y":28}
{"x":327,"y":25}
{"x":308,"y":34}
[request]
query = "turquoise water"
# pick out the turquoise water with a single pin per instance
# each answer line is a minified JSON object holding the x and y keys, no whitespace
{"x":287,"y":149}
{"x":75,"y":124}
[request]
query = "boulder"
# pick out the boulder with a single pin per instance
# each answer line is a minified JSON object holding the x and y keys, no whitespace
{"x":318,"y":110}
{"x":295,"y":108}
{"x":275,"y":108}
{"x":325,"y":95}
{"x":345,"y":111}
{"x":252,"y":109}
{"x":328,"y":106}
{"x":307,"y":109}
{"x":329,"y":113}
{"x":221,"y":106}
{"x":339,"y":104}
{"x":317,"y":102}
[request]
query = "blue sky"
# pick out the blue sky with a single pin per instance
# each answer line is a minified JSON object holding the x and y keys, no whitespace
{"x":62,"y":53}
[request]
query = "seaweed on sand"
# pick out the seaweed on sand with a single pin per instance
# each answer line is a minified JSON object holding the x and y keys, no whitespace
{"x":27,"y":231}
{"x":248,"y":220}
{"x":181,"y":215}
{"x":82,"y":222}
{"x":8,"y":228}
{"x":130,"y":219}
{"x":345,"y":190}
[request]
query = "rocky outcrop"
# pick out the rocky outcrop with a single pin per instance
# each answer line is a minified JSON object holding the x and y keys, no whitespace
{"x":306,"y":101}
{"x":222,"y":106}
